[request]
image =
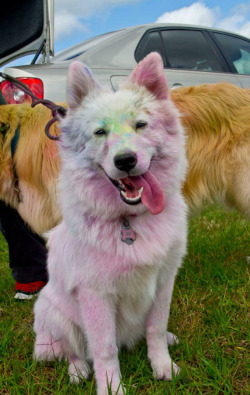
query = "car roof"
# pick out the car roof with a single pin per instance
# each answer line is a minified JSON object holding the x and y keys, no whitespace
{"x":79,"y":49}
{"x":117,"y":49}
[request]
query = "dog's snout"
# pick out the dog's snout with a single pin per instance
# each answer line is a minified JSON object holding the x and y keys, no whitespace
{"x":125,"y":162}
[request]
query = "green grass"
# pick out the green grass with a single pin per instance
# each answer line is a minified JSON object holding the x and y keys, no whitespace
{"x":209,"y":314}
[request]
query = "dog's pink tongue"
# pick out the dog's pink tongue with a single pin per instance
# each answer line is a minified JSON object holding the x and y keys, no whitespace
{"x":152,"y":196}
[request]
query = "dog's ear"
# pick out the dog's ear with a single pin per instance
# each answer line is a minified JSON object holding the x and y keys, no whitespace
{"x":150,"y":73}
{"x":80,"y":83}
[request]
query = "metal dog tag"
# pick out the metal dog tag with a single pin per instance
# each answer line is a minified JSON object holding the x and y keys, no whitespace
{"x":127,"y":233}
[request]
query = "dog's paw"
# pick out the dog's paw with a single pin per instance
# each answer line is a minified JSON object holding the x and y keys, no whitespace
{"x":114,"y":391}
{"x":165,"y":370}
{"x":172,"y":339}
{"x":78,"y":370}
{"x":115,"y":387}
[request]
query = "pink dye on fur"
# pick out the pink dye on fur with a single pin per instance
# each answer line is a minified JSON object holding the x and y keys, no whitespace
{"x":104,"y":293}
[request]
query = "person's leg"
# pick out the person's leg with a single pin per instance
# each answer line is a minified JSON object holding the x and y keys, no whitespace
{"x":27,"y":252}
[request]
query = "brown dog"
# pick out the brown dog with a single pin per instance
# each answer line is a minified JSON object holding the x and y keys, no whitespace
{"x":217,"y":122}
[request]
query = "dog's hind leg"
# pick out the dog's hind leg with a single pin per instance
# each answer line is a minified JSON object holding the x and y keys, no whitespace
{"x":47,"y":348}
{"x":58,"y":337}
{"x":238,"y":178}
{"x":240,"y":192}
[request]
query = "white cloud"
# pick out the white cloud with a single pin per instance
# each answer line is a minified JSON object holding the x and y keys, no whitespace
{"x":70,"y":15}
{"x":195,"y":14}
{"x":245,"y":29}
{"x":238,"y":20}
{"x":199,"y":14}
{"x":65,"y":24}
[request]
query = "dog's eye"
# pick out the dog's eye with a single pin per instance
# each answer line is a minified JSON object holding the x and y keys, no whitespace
{"x":100,"y":132}
{"x":140,"y":124}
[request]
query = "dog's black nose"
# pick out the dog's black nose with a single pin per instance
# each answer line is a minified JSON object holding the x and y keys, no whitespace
{"x":125,"y":162}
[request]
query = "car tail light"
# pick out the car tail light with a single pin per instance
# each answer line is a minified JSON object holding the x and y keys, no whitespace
{"x":15,"y":95}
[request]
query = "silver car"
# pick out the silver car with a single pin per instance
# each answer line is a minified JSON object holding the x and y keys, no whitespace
{"x":191,"y":55}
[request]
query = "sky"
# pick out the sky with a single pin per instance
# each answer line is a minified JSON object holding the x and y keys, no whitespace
{"x":78,"y":20}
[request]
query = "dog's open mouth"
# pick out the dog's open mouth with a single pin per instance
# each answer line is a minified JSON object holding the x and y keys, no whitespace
{"x":144,"y":188}
{"x":129,"y":193}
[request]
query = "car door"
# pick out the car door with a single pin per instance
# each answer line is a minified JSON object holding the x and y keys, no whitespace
{"x":189,"y":56}
{"x":236,"y":50}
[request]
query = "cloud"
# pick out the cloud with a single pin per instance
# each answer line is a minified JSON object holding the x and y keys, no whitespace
{"x":195,"y":14}
{"x":66,"y":23}
{"x":74,"y":15}
{"x":199,"y":14}
{"x":71,"y":15}
{"x":238,"y":20}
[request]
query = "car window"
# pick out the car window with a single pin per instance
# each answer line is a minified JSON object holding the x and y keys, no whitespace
{"x":151,"y":42}
{"x":237,"y":50}
{"x":189,"y":50}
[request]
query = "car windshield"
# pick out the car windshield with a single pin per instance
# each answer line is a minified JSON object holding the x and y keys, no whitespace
{"x":79,"y":49}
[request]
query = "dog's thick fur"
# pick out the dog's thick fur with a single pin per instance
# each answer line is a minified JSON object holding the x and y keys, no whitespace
{"x":102,"y":292}
{"x":216,"y":119}
{"x":37,"y":166}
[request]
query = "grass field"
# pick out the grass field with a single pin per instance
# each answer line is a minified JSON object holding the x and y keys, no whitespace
{"x":209,"y":313}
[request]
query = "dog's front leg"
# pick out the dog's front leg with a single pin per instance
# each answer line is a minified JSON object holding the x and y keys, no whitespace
{"x":98,"y":315}
{"x":156,"y":325}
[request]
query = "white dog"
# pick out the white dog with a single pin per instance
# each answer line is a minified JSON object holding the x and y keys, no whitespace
{"x":113,"y":259}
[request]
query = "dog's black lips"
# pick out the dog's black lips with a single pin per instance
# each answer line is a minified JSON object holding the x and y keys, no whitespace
{"x":120,"y":188}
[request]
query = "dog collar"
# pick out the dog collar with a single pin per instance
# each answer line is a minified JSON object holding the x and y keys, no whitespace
{"x":128,"y":235}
